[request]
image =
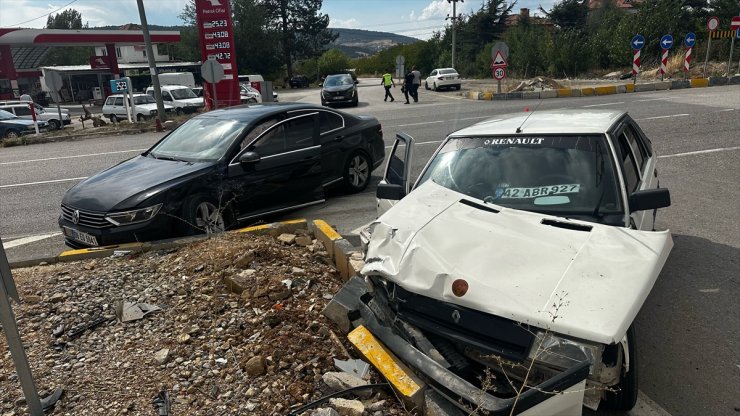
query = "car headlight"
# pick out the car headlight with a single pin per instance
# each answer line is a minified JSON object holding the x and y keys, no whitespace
{"x":152,"y":112}
{"x":562,"y":353}
{"x":133,"y":217}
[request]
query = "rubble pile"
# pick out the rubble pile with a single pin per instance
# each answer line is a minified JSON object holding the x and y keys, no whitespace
{"x":229,"y":325}
{"x":537,"y":84}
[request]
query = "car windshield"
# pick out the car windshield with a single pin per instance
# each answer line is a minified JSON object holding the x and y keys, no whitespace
{"x":144,"y":99}
{"x":335,"y":81}
{"x":447,"y":71}
{"x":4,"y":115}
{"x":199,"y":140}
{"x":183,"y":93}
{"x":570,"y":176}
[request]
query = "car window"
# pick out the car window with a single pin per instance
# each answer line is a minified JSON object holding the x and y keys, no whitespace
{"x":293,"y":134}
{"x":22,"y":111}
{"x":183,"y":94}
{"x":166,"y":96}
{"x":199,"y":140}
{"x":258,"y":129}
{"x":4,"y":115}
{"x":119,"y":101}
{"x":110,"y":101}
{"x":144,"y":99}
{"x":338,"y":80}
{"x":447,"y":71}
{"x":433,"y":73}
{"x":329,"y":121}
{"x":396,"y":164}
{"x":559,"y":175}
{"x":637,"y":147}
{"x":629,"y":166}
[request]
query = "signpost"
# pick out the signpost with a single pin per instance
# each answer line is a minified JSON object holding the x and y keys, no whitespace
{"x":734,"y":25}
{"x":689,"y":41}
{"x":665,"y":43}
{"x":712,"y":25}
{"x":216,"y":36}
{"x":637,"y":43}
{"x":212,"y":72}
{"x":121,"y":85}
{"x":498,"y":67}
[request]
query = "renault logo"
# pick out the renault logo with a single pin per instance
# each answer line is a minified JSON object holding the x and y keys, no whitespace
{"x":456,"y":316}
{"x":76,"y":216}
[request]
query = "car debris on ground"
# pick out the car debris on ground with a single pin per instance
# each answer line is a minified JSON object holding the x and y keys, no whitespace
{"x":240,"y":331}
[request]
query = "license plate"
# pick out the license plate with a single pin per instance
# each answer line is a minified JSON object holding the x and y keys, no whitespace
{"x":338,"y":98}
{"x":540,"y":191}
{"x":80,"y":236}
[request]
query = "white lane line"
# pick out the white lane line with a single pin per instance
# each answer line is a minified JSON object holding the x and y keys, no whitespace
{"x":28,"y":240}
{"x":419,"y":144}
{"x":419,"y":124}
{"x":726,"y":109}
{"x":600,"y":105}
{"x":647,"y":407}
{"x":655,"y":99}
{"x":15,"y":185}
{"x":475,"y":118}
{"x":659,"y":117}
{"x":72,"y":157}
{"x":700,"y":152}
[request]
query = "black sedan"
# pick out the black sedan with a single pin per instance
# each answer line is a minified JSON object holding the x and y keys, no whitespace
{"x":339,"y":89}
{"x":222,"y":168}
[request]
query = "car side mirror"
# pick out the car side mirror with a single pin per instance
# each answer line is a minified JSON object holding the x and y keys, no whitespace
{"x":249,"y":157}
{"x":390,"y":191}
{"x":650,"y":199}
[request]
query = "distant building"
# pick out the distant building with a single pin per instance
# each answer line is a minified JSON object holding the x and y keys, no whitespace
{"x":514,"y":19}
{"x":626,"y":5}
{"x":133,"y":54}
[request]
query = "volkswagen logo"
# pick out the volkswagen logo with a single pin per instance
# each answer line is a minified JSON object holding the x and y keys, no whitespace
{"x":456,"y":316}
{"x":76,"y":216}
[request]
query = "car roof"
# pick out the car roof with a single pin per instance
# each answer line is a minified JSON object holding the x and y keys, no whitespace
{"x":136,"y":94}
{"x":546,"y":122}
{"x":254,"y":111}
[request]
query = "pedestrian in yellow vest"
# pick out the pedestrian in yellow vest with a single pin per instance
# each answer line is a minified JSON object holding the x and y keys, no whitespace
{"x":387,"y":82}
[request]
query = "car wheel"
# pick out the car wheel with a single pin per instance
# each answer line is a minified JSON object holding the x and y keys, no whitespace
{"x":356,"y":102}
{"x":113,"y":118}
{"x":203,"y":216}
{"x":624,"y":395}
{"x":178,"y":111}
{"x":252,"y":101}
{"x":55,"y":125}
{"x":426,"y":85}
{"x":357,"y":172}
{"x":140,"y":118}
{"x":12,"y":134}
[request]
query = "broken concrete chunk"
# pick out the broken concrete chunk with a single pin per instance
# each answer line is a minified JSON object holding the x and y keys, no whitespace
{"x":342,"y":381}
{"x":57,"y":297}
{"x":279,"y":293}
{"x":236,"y":283}
{"x":244,"y":261}
{"x":287,"y":238}
{"x":348,"y":407}
{"x":183,"y":338}
{"x":324,"y":411}
{"x":303,"y":241}
{"x":357,"y":368}
{"x":161,"y":356}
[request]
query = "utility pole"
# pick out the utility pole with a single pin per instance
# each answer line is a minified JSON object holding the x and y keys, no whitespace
{"x":454,"y":26}
{"x":152,"y":63}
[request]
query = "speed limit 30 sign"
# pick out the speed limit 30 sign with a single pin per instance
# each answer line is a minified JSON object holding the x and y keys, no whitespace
{"x":499,"y":73}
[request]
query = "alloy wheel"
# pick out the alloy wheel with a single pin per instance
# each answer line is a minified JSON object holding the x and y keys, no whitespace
{"x":209,"y":218}
{"x":359,"y":171}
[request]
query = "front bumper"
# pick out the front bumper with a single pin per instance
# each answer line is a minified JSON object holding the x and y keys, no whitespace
{"x":355,"y":306}
{"x":157,"y":228}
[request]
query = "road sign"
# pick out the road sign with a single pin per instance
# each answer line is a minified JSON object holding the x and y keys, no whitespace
{"x":637,"y":42}
{"x":635,"y":62}
{"x":666,"y":41}
{"x":499,"y":73}
{"x":687,"y":60}
{"x":735,"y":23}
{"x":118,"y":85}
{"x":663,"y":63}
{"x":499,"y":61}
{"x":713,"y":23}
{"x":53,"y":80}
{"x":400,"y":60}
{"x":689,"y":40}
{"x":722,"y":34}
{"x":502,"y":47}
{"x":212,"y":71}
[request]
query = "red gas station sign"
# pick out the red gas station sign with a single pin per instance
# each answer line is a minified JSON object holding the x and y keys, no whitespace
{"x":215,"y":30}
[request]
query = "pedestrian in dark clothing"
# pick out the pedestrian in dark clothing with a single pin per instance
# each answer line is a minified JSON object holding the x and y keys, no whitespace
{"x":416,"y":84}
{"x":408,"y":86}
{"x":387,"y":82}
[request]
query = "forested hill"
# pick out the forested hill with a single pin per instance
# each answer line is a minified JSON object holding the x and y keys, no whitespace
{"x":357,"y":42}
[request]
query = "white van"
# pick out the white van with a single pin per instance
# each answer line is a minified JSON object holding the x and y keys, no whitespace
{"x":179,"y":96}
{"x":250,"y":78}
{"x":177,"y":78}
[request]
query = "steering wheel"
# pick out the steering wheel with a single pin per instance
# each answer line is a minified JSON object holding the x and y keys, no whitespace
{"x":553,"y":178}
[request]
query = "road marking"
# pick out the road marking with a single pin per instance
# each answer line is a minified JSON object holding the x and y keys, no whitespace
{"x":599,"y":105}
{"x":700,"y":152}
{"x":28,"y":240}
{"x":655,"y":99}
{"x":15,"y":185}
{"x":475,"y":118}
{"x":659,"y":117}
{"x":419,"y":124}
{"x":71,"y":157}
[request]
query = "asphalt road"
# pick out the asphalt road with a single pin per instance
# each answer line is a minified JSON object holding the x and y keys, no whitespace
{"x":689,"y":329}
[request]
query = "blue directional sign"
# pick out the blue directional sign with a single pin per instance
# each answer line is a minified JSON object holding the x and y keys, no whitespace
{"x":637,"y":42}
{"x":689,"y":40}
{"x":118,"y":85}
{"x":666,"y":42}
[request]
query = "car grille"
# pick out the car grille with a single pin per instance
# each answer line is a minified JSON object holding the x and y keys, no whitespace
{"x":90,"y":219}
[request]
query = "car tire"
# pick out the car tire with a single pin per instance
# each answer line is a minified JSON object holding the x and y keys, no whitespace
{"x":426,"y":85}
{"x":357,"y":171}
{"x":113,"y":118}
{"x":54,"y":125}
{"x":203,"y":215}
{"x":625,"y":395}
{"x":140,"y":118}
{"x":12,"y":134}
{"x":178,"y":111}
{"x":251,"y":101}
{"x":356,"y":102}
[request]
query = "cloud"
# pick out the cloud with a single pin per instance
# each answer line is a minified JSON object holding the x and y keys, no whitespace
{"x":346,"y":23}
{"x":437,"y":8}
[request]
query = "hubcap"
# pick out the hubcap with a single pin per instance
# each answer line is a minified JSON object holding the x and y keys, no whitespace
{"x":209,"y":219}
{"x":358,"y":171}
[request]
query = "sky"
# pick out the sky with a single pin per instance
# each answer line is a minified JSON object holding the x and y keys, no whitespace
{"x":415,"y":18}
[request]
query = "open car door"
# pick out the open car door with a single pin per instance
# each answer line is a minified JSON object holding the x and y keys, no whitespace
{"x":395,"y":183}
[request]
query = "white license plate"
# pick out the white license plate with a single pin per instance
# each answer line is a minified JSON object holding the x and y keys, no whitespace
{"x":80,"y":236}
{"x":539,"y":191}
{"x":338,"y":98}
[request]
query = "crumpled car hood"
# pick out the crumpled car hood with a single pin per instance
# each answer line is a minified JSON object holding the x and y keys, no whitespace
{"x":516,"y":266}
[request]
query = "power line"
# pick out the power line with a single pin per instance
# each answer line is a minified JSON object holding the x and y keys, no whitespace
{"x":36,"y":18}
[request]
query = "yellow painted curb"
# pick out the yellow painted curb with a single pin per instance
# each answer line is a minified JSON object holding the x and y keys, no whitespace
{"x":402,"y":379}
{"x":699,"y":82}
{"x":328,"y":231}
{"x":587,"y":91}
{"x":266,"y":227}
{"x":488,"y":96}
{"x":629,"y":87}
{"x":564,"y":92}
{"x":610,"y":89}
{"x":127,"y":246}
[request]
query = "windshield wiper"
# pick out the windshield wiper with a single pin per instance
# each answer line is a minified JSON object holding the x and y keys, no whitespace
{"x":174,"y":159}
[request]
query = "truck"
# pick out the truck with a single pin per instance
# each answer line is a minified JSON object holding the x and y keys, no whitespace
{"x":177,"y":78}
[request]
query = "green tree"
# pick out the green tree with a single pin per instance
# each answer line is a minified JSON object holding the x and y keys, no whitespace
{"x":568,"y":14}
{"x":77,"y":55}
{"x":333,"y":61}
{"x":256,"y":41}
{"x":527,"y":43}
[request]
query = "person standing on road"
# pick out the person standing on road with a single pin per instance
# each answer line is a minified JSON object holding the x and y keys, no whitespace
{"x":416,"y":83}
{"x":387,"y":82}
{"x":408,"y":86}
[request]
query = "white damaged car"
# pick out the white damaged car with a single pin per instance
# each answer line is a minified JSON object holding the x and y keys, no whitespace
{"x":514,"y":267}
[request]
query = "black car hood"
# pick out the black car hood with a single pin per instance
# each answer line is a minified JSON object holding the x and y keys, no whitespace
{"x":339,"y":88}
{"x":129,"y":183}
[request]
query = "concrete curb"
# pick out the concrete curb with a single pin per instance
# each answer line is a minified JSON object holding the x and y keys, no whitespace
{"x":603,"y":90}
{"x":347,"y":258}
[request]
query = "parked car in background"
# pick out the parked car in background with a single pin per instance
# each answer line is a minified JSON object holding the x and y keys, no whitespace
{"x":177,"y":78}
{"x":339,"y":89}
{"x":51,"y":116}
{"x":527,"y":243}
{"x":12,"y":127}
{"x":249,"y":95}
{"x":222,"y":168}
{"x":144,"y":107}
{"x":198,"y":91}
{"x":179,"y":96}
{"x":442,"y":78}
{"x":299,"y":81}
